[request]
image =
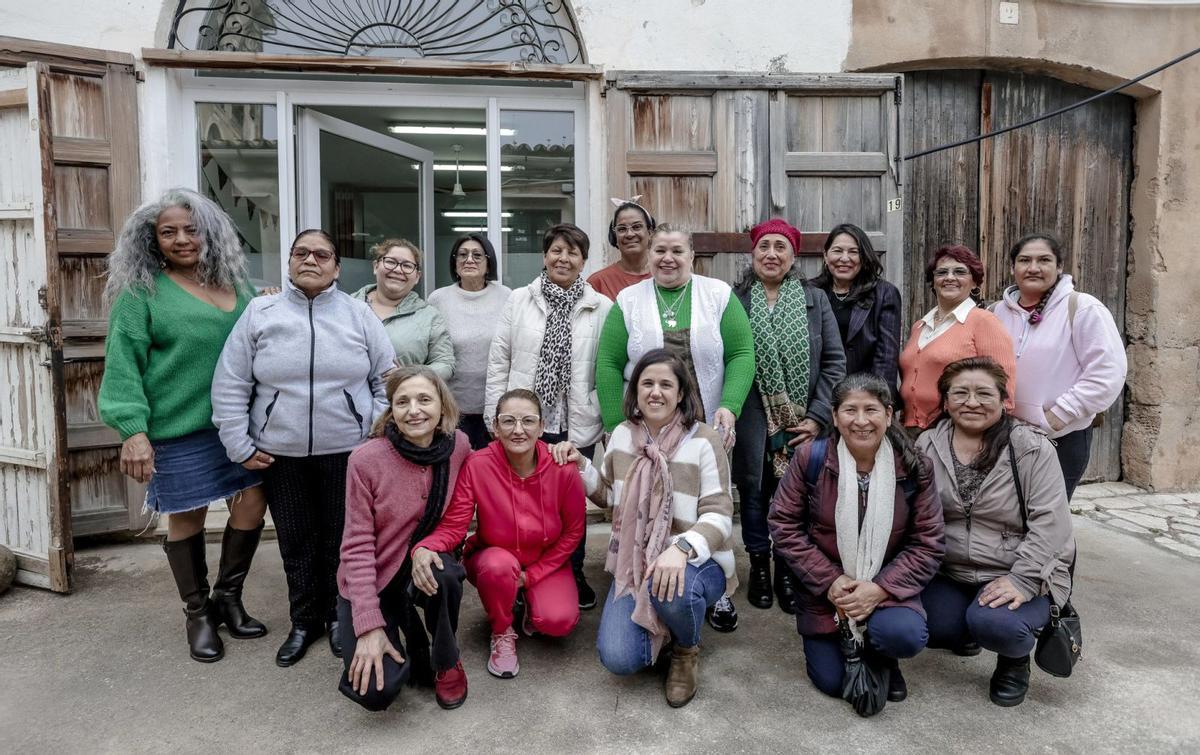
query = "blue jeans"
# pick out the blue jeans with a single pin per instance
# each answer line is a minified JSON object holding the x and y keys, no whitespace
{"x":625,"y":647}
{"x":753,"y":504}
{"x":896,"y":632}
{"x":955,"y":616}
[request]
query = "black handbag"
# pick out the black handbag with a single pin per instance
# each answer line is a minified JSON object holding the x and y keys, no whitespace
{"x":1060,"y":641}
{"x":865,"y":680}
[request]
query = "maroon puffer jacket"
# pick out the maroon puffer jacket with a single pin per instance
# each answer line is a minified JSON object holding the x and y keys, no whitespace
{"x":804,"y":532}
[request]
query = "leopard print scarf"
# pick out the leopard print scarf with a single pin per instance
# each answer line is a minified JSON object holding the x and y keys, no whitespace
{"x":554,"y":361}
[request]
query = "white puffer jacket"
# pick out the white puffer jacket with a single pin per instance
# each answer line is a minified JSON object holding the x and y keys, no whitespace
{"x":513,"y":358}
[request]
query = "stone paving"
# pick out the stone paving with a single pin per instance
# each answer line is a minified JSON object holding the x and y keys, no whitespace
{"x":1169,"y":520}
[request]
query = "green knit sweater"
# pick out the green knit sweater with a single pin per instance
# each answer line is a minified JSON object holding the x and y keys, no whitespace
{"x":159,"y":358}
{"x":613,"y":354}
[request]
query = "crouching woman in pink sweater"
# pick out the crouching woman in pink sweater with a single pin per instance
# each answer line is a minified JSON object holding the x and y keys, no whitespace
{"x":397,"y":486}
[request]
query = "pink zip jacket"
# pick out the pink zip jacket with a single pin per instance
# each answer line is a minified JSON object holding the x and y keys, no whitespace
{"x":1075,"y":372}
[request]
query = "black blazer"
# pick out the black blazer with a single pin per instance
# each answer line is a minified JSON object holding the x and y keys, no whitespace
{"x":872,"y":341}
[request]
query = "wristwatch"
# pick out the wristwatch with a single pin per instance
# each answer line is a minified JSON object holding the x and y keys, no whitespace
{"x":685,"y":545}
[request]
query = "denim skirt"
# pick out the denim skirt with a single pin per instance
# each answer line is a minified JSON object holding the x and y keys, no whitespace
{"x":192,"y":471}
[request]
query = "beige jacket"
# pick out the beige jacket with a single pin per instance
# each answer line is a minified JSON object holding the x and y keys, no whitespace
{"x":513,"y":358}
{"x":991,"y":542}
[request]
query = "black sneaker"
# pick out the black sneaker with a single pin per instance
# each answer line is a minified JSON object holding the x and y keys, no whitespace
{"x":723,"y":616}
{"x":587,"y":596}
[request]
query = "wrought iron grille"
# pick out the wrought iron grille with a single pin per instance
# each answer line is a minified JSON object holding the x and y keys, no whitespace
{"x":535,"y":31}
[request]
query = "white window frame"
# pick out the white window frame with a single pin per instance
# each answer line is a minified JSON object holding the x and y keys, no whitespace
{"x":286,"y":94}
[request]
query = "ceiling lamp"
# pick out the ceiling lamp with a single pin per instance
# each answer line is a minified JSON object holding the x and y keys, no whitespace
{"x":471,"y":214}
{"x":458,"y":189}
{"x":406,"y":128}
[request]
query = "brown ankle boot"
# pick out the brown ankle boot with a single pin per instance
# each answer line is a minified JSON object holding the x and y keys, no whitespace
{"x":682,"y":679}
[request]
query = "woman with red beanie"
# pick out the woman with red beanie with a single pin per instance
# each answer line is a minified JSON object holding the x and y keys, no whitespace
{"x":531,"y":515}
{"x":798,"y":359}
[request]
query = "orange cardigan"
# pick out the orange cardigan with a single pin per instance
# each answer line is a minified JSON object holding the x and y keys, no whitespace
{"x":981,"y":335}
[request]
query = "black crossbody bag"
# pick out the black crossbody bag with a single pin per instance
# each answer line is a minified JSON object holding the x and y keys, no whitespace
{"x":1060,"y":641}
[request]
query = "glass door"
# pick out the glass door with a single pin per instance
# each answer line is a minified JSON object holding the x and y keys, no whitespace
{"x":362,"y":187}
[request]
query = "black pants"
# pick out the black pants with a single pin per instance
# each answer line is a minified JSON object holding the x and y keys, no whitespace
{"x":581,"y":549}
{"x":476,"y":430}
{"x":307,"y":499}
{"x":441,"y":621}
{"x":1074,"y":450}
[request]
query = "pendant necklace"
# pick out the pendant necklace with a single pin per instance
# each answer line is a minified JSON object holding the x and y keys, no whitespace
{"x":668,"y":313}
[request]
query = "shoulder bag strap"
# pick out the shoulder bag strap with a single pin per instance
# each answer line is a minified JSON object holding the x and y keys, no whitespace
{"x":1012,"y":460}
{"x":816,"y":457}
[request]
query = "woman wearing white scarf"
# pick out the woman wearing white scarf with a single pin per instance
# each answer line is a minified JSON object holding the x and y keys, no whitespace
{"x":861,"y":544}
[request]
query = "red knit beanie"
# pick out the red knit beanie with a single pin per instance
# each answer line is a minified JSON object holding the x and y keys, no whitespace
{"x":780,"y":226}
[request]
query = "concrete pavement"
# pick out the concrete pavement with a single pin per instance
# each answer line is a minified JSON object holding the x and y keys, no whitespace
{"x":106,"y":670}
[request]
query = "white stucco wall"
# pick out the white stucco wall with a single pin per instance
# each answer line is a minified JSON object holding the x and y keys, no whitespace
{"x":808,"y":36}
{"x":800,"y":36}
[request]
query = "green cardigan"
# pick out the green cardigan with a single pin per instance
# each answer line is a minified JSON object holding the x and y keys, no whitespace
{"x":159,"y":358}
{"x":613,"y":354}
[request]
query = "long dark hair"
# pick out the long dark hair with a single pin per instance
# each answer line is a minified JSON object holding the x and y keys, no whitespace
{"x":995,"y":438}
{"x":877,"y":388}
{"x":1056,"y":248}
{"x":870,"y":270}
{"x":690,"y":404}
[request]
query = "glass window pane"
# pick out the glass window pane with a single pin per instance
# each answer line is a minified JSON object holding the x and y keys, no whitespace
{"x":537,"y":155}
{"x":239,"y":170}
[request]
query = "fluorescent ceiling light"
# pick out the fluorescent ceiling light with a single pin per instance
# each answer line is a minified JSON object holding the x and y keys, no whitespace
{"x":471,"y":214}
{"x":465,"y":168}
{"x":403,"y":128}
{"x":476,"y":229}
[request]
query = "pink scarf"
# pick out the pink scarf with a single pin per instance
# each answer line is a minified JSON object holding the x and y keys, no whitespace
{"x":642,"y":527}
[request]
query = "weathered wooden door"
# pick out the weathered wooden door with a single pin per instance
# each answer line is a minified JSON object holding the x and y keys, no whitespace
{"x":1069,"y":176}
{"x":720,"y":153}
{"x":35,"y":514}
{"x":88,"y":152}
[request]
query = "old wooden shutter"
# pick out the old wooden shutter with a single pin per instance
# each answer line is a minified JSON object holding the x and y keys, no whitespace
{"x":1068,"y":176}
{"x":720,"y":152}
{"x":88,"y":147}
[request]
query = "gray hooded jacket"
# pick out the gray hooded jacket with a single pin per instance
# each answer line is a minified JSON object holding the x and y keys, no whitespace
{"x":301,"y":377}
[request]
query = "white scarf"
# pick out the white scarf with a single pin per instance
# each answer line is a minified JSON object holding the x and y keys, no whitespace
{"x":862,"y":550}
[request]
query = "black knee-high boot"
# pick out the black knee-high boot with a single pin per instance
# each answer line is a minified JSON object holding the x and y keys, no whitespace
{"x":190,"y":569}
{"x":237,"y":551}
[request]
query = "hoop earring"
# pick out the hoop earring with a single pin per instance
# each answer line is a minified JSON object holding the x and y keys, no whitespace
{"x":637,"y":412}
{"x":975,"y":292}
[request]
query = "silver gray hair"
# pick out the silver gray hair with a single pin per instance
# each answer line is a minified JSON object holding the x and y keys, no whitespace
{"x":137,"y":258}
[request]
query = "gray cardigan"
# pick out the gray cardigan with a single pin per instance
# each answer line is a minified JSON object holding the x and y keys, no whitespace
{"x":991,"y":542}
{"x":299,"y":376}
{"x":827,"y":367}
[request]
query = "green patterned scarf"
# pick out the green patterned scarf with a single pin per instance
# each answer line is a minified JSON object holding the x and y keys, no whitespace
{"x":780,"y":362}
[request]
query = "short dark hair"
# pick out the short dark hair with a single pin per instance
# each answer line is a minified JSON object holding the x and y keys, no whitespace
{"x":958,"y":253}
{"x":612,"y":224}
{"x":995,"y":438}
{"x":522,"y":393}
{"x":870,"y":270}
{"x":1054,"y":244}
{"x":690,"y":404}
{"x":488,"y":250}
{"x":337,"y":257}
{"x":568,"y":232}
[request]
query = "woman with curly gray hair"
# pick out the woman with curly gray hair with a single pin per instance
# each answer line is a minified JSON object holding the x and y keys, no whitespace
{"x":176,"y":285}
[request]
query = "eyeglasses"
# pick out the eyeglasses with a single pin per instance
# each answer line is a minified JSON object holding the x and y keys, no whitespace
{"x":960,"y":396}
{"x":509,"y":422}
{"x":955,"y":272}
{"x":635,"y":228}
{"x":391,"y":263}
{"x":300,"y":253}
{"x":470,"y":256}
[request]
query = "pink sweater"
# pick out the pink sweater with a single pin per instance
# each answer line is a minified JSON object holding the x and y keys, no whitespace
{"x":385,"y":497}
{"x":1074,"y":372}
{"x":981,"y":335}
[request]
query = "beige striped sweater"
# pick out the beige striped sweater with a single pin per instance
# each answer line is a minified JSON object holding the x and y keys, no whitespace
{"x":701,"y":503}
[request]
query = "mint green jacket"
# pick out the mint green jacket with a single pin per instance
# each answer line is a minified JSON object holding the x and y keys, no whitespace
{"x":418,"y":333}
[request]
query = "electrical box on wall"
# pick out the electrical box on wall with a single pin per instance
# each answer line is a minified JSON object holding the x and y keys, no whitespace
{"x":1010,"y":13}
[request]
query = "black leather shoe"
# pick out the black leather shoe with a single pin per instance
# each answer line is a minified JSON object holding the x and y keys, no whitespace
{"x":968,"y":649}
{"x":784,"y":593}
{"x":897,"y":687}
{"x":759,"y":594}
{"x":188,"y":566}
{"x":297,"y":643}
{"x":335,"y":638}
{"x":587,"y":596}
{"x":1010,"y":681}
{"x":237,"y":551}
{"x":723,"y":616}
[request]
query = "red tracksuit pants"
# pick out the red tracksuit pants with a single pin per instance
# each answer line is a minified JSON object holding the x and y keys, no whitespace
{"x":553,"y":603}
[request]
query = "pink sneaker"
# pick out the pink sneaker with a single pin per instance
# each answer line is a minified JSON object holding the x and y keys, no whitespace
{"x":502,"y":661}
